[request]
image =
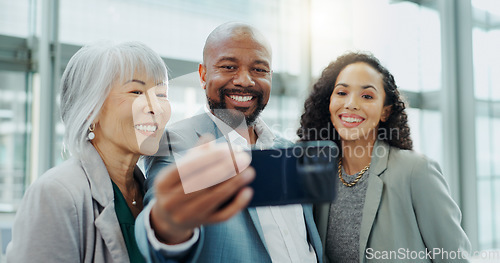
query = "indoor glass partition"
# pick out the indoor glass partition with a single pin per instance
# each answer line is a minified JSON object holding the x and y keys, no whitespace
{"x":14,"y":133}
{"x":177,"y":31}
{"x":405,"y":36}
{"x":15,"y":17}
{"x":486,"y":40}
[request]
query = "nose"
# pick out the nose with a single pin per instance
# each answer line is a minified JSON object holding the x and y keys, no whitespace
{"x":153,"y":106}
{"x":351,"y":102}
{"x":243,"y":78}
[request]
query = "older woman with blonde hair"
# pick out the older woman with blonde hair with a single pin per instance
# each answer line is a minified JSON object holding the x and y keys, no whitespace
{"x":114,"y":108}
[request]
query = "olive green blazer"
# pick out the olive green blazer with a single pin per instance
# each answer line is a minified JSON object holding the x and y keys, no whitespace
{"x":407,"y":208}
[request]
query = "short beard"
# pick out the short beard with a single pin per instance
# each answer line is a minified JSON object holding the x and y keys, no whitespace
{"x":232,"y":118}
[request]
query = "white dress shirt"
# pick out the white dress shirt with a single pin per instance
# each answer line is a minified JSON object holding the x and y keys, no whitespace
{"x":283,"y":227}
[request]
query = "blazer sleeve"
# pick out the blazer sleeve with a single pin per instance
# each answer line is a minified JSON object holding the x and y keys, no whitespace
{"x":153,"y":166}
{"x":151,"y":254}
{"x":47,"y":227}
{"x":438,"y":216}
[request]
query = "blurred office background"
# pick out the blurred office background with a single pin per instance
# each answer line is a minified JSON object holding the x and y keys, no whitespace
{"x":444,"y":55}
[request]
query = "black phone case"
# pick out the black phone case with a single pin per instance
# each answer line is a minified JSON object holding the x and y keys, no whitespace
{"x":303,"y":173}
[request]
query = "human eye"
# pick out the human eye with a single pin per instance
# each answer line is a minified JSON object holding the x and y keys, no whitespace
{"x":162,"y":95}
{"x":228,"y":67}
{"x":366,"y":96}
{"x":340,"y":90}
{"x":137,"y":92}
{"x":261,"y":70}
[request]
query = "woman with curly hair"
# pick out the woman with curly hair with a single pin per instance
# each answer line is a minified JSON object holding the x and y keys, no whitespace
{"x":392,"y":202}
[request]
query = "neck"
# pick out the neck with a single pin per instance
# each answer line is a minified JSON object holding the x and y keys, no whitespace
{"x":120,"y":164}
{"x":356,"y":155}
{"x":249,"y":134}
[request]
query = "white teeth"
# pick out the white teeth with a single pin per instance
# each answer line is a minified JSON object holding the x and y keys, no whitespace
{"x":148,"y":128}
{"x":241,"y":98}
{"x":351,"y":120}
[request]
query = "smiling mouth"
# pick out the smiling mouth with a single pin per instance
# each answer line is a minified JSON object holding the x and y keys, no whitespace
{"x":146,"y":127}
{"x":351,"y":119}
{"x":240,"y":98}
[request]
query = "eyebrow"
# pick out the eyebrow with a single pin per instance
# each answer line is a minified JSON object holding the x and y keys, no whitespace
{"x":222,"y":59}
{"x":233,"y":59}
{"x":162,"y":83}
{"x":263,"y":62}
{"x":363,"y":87}
{"x":136,"y":80}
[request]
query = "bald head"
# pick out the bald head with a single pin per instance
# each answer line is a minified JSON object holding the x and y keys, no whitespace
{"x":234,"y":31}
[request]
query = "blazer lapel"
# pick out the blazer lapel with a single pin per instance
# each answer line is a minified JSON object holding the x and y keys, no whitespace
{"x":321,"y":212}
{"x":255,"y":218}
{"x":109,"y":228}
{"x":380,"y":157}
{"x":312,"y":231}
{"x":106,"y":222}
{"x":205,"y":125}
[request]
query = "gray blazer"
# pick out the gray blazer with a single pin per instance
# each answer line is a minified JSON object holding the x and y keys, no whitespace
{"x":407,"y":206}
{"x":68,"y":215}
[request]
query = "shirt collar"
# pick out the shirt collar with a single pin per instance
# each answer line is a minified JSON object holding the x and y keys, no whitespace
{"x":265,"y":137}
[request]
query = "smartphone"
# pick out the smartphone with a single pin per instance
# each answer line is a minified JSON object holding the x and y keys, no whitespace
{"x":305,"y":172}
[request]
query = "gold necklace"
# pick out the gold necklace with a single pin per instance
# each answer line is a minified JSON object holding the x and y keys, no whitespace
{"x":357,"y":177}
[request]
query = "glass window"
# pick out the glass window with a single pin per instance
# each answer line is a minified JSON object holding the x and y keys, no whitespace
{"x":14,"y":18}
{"x":405,"y":36}
{"x":431,"y":132}
{"x":486,"y":40}
{"x":485,"y":206}
{"x":496,"y":209}
{"x":495,"y":148}
{"x":490,"y":6}
{"x":425,"y":140}
{"x":483,"y":146}
{"x":178,"y":29}
{"x":13,"y":138}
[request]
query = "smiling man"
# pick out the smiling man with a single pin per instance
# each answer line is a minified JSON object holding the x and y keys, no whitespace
{"x":208,"y":225}
{"x":236,"y":74}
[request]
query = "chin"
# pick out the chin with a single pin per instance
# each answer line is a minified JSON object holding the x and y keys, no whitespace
{"x":349,"y":137}
{"x":149,"y":147}
{"x":149,"y":151}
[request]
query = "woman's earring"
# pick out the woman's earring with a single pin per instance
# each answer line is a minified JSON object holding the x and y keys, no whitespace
{"x":91,"y":134}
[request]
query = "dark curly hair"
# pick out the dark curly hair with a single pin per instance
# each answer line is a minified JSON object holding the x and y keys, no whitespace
{"x":316,"y":123}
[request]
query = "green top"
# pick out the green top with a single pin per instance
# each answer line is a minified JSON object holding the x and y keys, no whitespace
{"x":127,"y":221}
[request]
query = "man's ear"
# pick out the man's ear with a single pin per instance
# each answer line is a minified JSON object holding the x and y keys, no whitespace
{"x":386,"y":112}
{"x":202,"y":70}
